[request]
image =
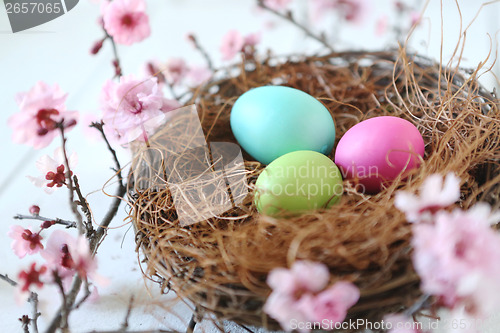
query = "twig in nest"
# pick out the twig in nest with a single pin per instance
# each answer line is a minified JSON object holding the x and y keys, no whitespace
{"x":68,"y":224}
{"x":288,"y":16}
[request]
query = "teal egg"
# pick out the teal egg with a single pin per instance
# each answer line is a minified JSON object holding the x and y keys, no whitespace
{"x":298,"y":182}
{"x":271,"y":121}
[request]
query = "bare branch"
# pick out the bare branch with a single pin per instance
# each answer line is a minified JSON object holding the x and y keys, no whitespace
{"x":203,"y":52}
{"x":289,"y":17}
{"x":68,"y":224}
{"x":72,"y":203}
{"x":7,"y":279}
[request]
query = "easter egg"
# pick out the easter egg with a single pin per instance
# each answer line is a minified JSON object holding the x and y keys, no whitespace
{"x":376,"y":151}
{"x":298,"y":182}
{"x":271,"y":121}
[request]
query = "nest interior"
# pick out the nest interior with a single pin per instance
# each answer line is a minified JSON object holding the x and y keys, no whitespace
{"x":221,"y":264}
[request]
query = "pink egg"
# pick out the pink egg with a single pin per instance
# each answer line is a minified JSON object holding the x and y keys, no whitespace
{"x":377,"y":150}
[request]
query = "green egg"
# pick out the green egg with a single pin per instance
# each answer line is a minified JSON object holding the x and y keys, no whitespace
{"x":298,"y":182}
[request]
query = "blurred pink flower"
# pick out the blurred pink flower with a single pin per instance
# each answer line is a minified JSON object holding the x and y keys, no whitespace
{"x":176,"y":70}
{"x":252,"y":39}
{"x":41,"y":109}
{"x":232,"y":43}
{"x":298,"y":294}
{"x":399,"y":323}
{"x":331,"y":304}
{"x":304,"y":276}
{"x":31,"y":276}
{"x":456,"y":259}
{"x":68,"y":256}
{"x":52,"y":170}
{"x":25,"y":241}
{"x":198,"y":75}
{"x":434,"y":195}
{"x":415,"y":18}
{"x":277,"y":4}
{"x":381,"y":25}
{"x":126,"y":20}
{"x":133,"y":108}
{"x":284,"y":309}
{"x":350,"y":10}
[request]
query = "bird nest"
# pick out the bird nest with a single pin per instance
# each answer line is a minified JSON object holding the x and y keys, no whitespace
{"x":220,"y":264}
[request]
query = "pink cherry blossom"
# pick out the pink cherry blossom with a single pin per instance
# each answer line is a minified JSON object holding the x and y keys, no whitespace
{"x":434,"y":195}
{"x":283,"y":308}
{"x":42,"y":107}
{"x":126,"y":20}
{"x":304,"y":276}
{"x":176,"y":70}
{"x":399,"y":323}
{"x":252,"y":39}
{"x":52,"y":169}
{"x":277,"y":4}
{"x":31,"y":276}
{"x":352,"y":11}
{"x":232,"y":44}
{"x":198,"y":75}
{"x":290,"y":286}
{"x":25,"y":241}
{"x":456,"y":259}
{"x":381,"y":25}
{"x":68,"y":256}
{"x":415,"y":18}
{"x":133,"y":108}
{"x":331,"y":304}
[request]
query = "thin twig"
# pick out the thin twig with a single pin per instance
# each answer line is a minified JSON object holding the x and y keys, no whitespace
{"x":118,"y":69}
{"x":85,"y":295}
{"x":192,"y":324}
{"x":85,"y":207}
{"x":7,"y":279}
{"x":65,"y":311}
{"x":127,"y":315}
{"x":203,"y":52}
{"x":72,"y":203}
{"x":66,"y":306}
{"x":120,"y":192}
{"x":289,"y":17}
{"x":417,"y":306}
{"x":68,"y":224}
{"x":118,"y":168}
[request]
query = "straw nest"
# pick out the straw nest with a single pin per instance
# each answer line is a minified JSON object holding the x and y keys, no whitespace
{"x":220,"y":265}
